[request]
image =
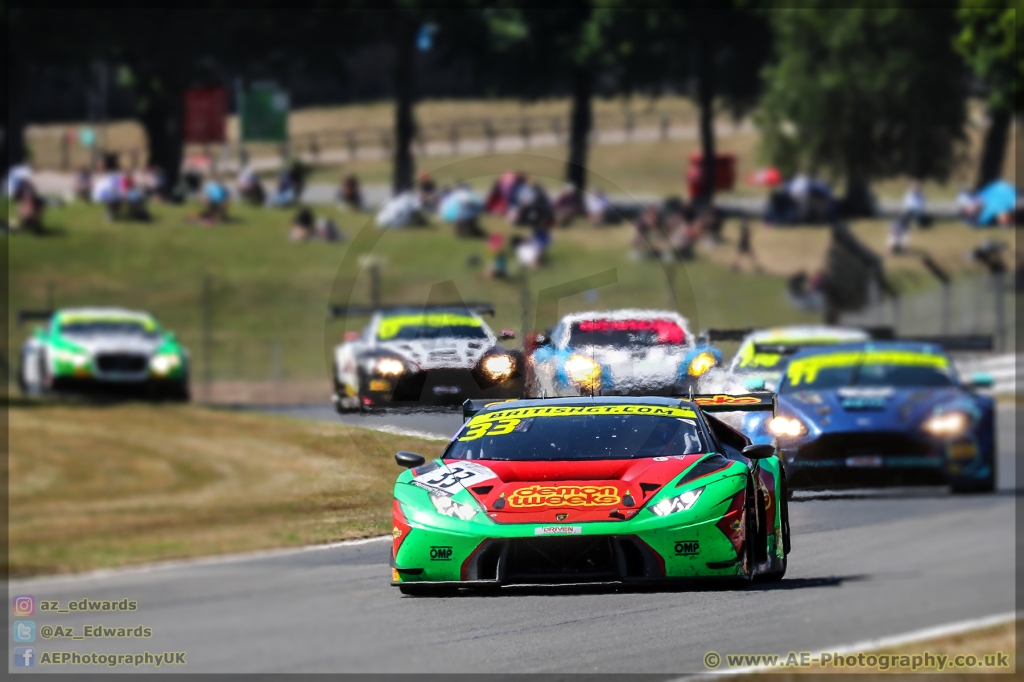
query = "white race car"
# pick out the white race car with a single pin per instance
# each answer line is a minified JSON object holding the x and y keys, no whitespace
{"x":621,"y":352}
{"x":410,"y":357}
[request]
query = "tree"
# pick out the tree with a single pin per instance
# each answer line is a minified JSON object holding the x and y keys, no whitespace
{"x":715,"y":54}
{"x":987,"y":41}
{"x":865,"y":94}
{"x":558,"y":46}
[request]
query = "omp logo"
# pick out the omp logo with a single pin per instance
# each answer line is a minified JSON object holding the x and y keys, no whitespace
{"x":568,"y":495}
{"x":687,"y":547}
{"x":727,"y":400}
{"x":440,"y":553}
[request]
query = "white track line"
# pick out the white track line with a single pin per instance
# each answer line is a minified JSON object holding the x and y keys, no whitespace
{"x":188,"y":563}
{"x":911,"y":637}
{"x":394,"y":430}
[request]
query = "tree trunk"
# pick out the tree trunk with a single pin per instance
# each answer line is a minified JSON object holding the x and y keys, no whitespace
{"x":580,"y":123}
{"x":163,"y":121}
{"x":13,"y":143}
{"x":994,"y":149}
{"x":706,"y":102}
{"x":858,"y":202}
{"x":404,"y":166}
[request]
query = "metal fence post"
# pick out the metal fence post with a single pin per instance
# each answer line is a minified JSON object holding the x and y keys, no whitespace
{"x":350,"y":139}
{"x":524,"y":131}
{"x":453,"y":137}
{"x":490,"y":134}
{"x":665,"y":123}
{"x":997,"y":284}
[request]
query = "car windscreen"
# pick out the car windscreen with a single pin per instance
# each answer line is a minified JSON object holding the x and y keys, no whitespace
{"x":430,"y":326}
{"x":108,"y":327}
{"x":867,"y":368}
{"x":625,"y":333}
{"x":579,"y":433}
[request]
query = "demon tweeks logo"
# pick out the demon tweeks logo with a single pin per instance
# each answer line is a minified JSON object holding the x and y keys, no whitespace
{"x":565,"y":495}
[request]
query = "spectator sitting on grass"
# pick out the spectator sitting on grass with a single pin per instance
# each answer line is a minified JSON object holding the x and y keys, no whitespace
{"x":134,"y":199}
{"x":498,"y":266}
{"x":285,"y":194}
{"x":83,"y":184}
{"x":302,"y":225}
{"x":644,"y":228}
{"x":106,"y":190}
{"x":250,"y":189}
{"x":527,"y":252}
{"x":215,"y":202}
{"x":327,"y":230}
{"x":350,"y":193}
{"x":567,"y":205}
{"x":29,"y":207}
{"x":914,"y":205}
{"x":598,"y":207}
{"x":427,"y":190}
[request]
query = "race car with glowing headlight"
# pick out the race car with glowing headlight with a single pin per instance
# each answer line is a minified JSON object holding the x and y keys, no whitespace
{"x":621,"y":352}
{"x":414,"y":356}
{"x":102,"y":349}
{"x":592,"y":490}
{"x":880,"y":414}
{"x":756,"y":367}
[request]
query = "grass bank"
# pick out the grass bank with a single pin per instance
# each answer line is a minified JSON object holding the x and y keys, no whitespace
{"x":268,"y":296}
{"x":96,"y":487}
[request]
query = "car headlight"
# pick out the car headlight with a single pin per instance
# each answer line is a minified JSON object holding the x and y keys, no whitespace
{"x":499,"y":367}
{"x":947,"y":424}
{"x":678,"y":503}
{"x":165,"y":362}
{"x":70,"y":357}
{"x":583,"y":371}
{"x":447,"y":507}
{"x":786,"y":426}
{"x":701,"y":364}
{"x":390,"y":367}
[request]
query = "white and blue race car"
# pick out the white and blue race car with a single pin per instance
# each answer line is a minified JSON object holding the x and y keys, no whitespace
{"x":621,"y":352}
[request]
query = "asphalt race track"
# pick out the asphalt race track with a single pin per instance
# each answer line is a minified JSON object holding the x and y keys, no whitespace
{"x":864,"y":564}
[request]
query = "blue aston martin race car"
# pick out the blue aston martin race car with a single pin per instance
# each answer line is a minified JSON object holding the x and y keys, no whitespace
{"x":881,"y":413}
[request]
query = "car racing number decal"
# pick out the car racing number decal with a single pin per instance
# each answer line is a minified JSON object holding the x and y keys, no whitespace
{"x":502,"y":422}
{"x":449,"y":479}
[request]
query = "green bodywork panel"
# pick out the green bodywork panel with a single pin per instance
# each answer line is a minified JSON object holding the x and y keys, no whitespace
{"x":666,"y":535}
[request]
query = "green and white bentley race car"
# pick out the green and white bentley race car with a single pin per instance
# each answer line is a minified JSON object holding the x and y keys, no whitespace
{"x":583,"y":490}
{"x":102,"y":348}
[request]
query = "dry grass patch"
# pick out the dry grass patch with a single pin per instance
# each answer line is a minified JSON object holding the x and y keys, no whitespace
{"x":983,"y":644}
{"x":94,"y":487}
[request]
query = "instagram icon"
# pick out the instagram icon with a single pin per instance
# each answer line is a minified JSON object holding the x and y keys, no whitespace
{"x":24,"y":605}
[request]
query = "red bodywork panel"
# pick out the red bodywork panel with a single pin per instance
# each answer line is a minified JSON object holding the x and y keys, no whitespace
{"x":547,"y":492}
{"x":667,"y":330}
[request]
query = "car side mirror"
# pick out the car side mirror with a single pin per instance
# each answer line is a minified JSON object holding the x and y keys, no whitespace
{"x":981,"y":380}
{"x":409,"y":459}
{"x":352,"y":336}
{"x":754,"y":384}
{"x":759,"y":451}
{"x":507,"y":335}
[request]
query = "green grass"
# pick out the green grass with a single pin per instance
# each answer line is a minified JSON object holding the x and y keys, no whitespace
{"x":96,"y":487}
{"x":267,"y":291}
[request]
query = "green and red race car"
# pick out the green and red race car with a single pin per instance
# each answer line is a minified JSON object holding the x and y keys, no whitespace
{"x":585,"y":490}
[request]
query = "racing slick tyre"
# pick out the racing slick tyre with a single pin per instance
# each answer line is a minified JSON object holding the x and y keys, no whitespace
{"x":750,"y":538}
{"x":779,"y":565}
